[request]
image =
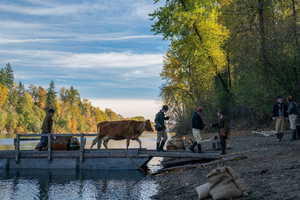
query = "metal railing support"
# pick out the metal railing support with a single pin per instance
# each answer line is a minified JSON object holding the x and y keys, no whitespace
{"x":17,"y":148}
{"x":82,"y":143}
{"x":49,"y":146}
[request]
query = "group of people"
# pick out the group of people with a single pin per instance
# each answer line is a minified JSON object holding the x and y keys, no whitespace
{"x":286,"y":110}
{"x":281,"y":111}
{"x":197,"y":126}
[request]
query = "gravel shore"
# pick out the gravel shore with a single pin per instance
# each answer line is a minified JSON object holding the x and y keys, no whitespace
{"x":272,"y":170}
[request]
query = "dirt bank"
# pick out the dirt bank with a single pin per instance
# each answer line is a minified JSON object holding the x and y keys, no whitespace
{"x":272,"y":172}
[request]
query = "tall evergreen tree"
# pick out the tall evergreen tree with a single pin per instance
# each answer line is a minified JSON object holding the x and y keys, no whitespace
{"x":51,"y":96}
{"x":7,"y":76}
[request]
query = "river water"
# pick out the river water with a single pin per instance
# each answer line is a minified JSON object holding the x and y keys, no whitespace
{"x":77,"y":185}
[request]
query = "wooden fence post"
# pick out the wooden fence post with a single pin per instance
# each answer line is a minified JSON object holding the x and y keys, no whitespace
{"x":49,"y":147}
{"x":17,"y":148}
{"x":81,"y":148}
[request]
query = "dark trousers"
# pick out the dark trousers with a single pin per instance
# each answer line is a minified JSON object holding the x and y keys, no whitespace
{"x":223,"y":144}
{"x":44,"y":141}
{"x":298,"y":132}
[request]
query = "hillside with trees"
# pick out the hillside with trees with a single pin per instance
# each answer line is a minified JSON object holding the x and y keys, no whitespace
{"x":22,"y":110}
{"x":233,"y":55}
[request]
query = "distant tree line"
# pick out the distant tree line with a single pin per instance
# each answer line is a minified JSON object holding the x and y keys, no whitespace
{"x":22,"y":109}
{"x":233,"y":55}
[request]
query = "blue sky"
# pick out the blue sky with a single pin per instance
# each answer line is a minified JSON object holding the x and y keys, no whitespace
{"x":102,"y":47}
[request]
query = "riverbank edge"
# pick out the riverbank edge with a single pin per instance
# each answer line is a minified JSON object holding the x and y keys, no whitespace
{"x":271,"y":170}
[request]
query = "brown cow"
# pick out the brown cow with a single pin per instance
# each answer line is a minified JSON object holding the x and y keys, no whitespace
{"x":120,"y":130}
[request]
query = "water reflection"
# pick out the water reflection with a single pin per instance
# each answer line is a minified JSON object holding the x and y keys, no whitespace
{"x":77,"y":185}
{"x":74,"y":185}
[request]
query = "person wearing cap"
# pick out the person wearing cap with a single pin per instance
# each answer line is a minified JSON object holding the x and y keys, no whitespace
{"x":279,"y":114}
{"x":46,"y":128}
{"x":197,"y":126}
{"x":160,"y":127}
{"x":223,"y":127}
{"x":293,"y":114}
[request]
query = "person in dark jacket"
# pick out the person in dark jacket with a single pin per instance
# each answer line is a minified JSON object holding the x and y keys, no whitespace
{"x":223,"y":127}
{"x":279,"y":114}
{"x":293,"y":114}
{"x":197,"y":126}
{"x":46,"y":128}
{"x":160,"y":127}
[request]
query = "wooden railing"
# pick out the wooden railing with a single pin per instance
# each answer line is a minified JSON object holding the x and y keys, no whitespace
{"x":32,"y":137}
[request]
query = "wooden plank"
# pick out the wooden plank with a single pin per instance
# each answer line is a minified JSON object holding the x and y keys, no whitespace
{"x":29,"y":139}
{"x":181,"y":154}
{"x":202,"y":165}
{"x":183,"y":161}
{"x":39,"y":135}
{"x":265,"y":133}
{"x":117,"y":153}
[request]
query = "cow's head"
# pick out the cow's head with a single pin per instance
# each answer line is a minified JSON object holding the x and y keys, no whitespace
{"x":148,"y":126}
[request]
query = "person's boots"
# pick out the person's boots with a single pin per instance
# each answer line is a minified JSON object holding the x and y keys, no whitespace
{"x":157,"y":146}
{"x":192,"y":147}
{"x":223,"y":152}
{"x":223,"y":148}
{"x":161,"y":147}
{"x":294,"y":135}
{"x":199,"y":148}
{"x":279,"y":136}
{"x":298,"y":134}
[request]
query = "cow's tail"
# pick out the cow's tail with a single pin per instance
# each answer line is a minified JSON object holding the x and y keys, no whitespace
{"x":98,"y":139}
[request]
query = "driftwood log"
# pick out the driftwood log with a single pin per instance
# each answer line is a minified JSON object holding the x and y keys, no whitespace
{"x":183,"y":161}
{"x":221,"y":161}
{"x":202,"y":165}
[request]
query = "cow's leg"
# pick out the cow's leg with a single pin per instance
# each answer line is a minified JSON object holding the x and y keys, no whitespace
{"x":99,"y":143}
{"x":97,"y":140}
{"x":139,"y":141}
{"x":105,"y":142}
{"x":94,"y":142}
{"x":127,"y":143}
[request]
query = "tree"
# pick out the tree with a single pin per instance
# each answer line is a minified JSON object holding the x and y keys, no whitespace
{"x":3,"y":95}
{"x":230,"y":55}
{"x":51,"y":96}
{"x":7,"y":76}
{"x":111,"y":115}
{"x":22,"y":110}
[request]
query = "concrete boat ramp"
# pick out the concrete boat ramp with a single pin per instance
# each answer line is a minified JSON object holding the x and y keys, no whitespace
{"x":117,"y":159}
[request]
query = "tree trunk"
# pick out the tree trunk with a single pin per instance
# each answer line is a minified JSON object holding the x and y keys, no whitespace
{"x":296,"y":40}
{"x":263,"y":50}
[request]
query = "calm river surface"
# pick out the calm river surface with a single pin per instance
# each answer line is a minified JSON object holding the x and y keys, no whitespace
{"x":77,"y":185}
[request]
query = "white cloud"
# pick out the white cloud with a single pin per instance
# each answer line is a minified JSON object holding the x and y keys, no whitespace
{"x":111,"y":60}
{"x":16,"y":41}
{"x":143,"y":73}
{"x":19,"y":25}
{"x":130,"y":107}
{"x":39,"y":2}
{"x":55,"y":10}
{"x":112,"y":37}
{"x":142,"y":9}
{"x":82,"y":60}
{"x":38,"y":33}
